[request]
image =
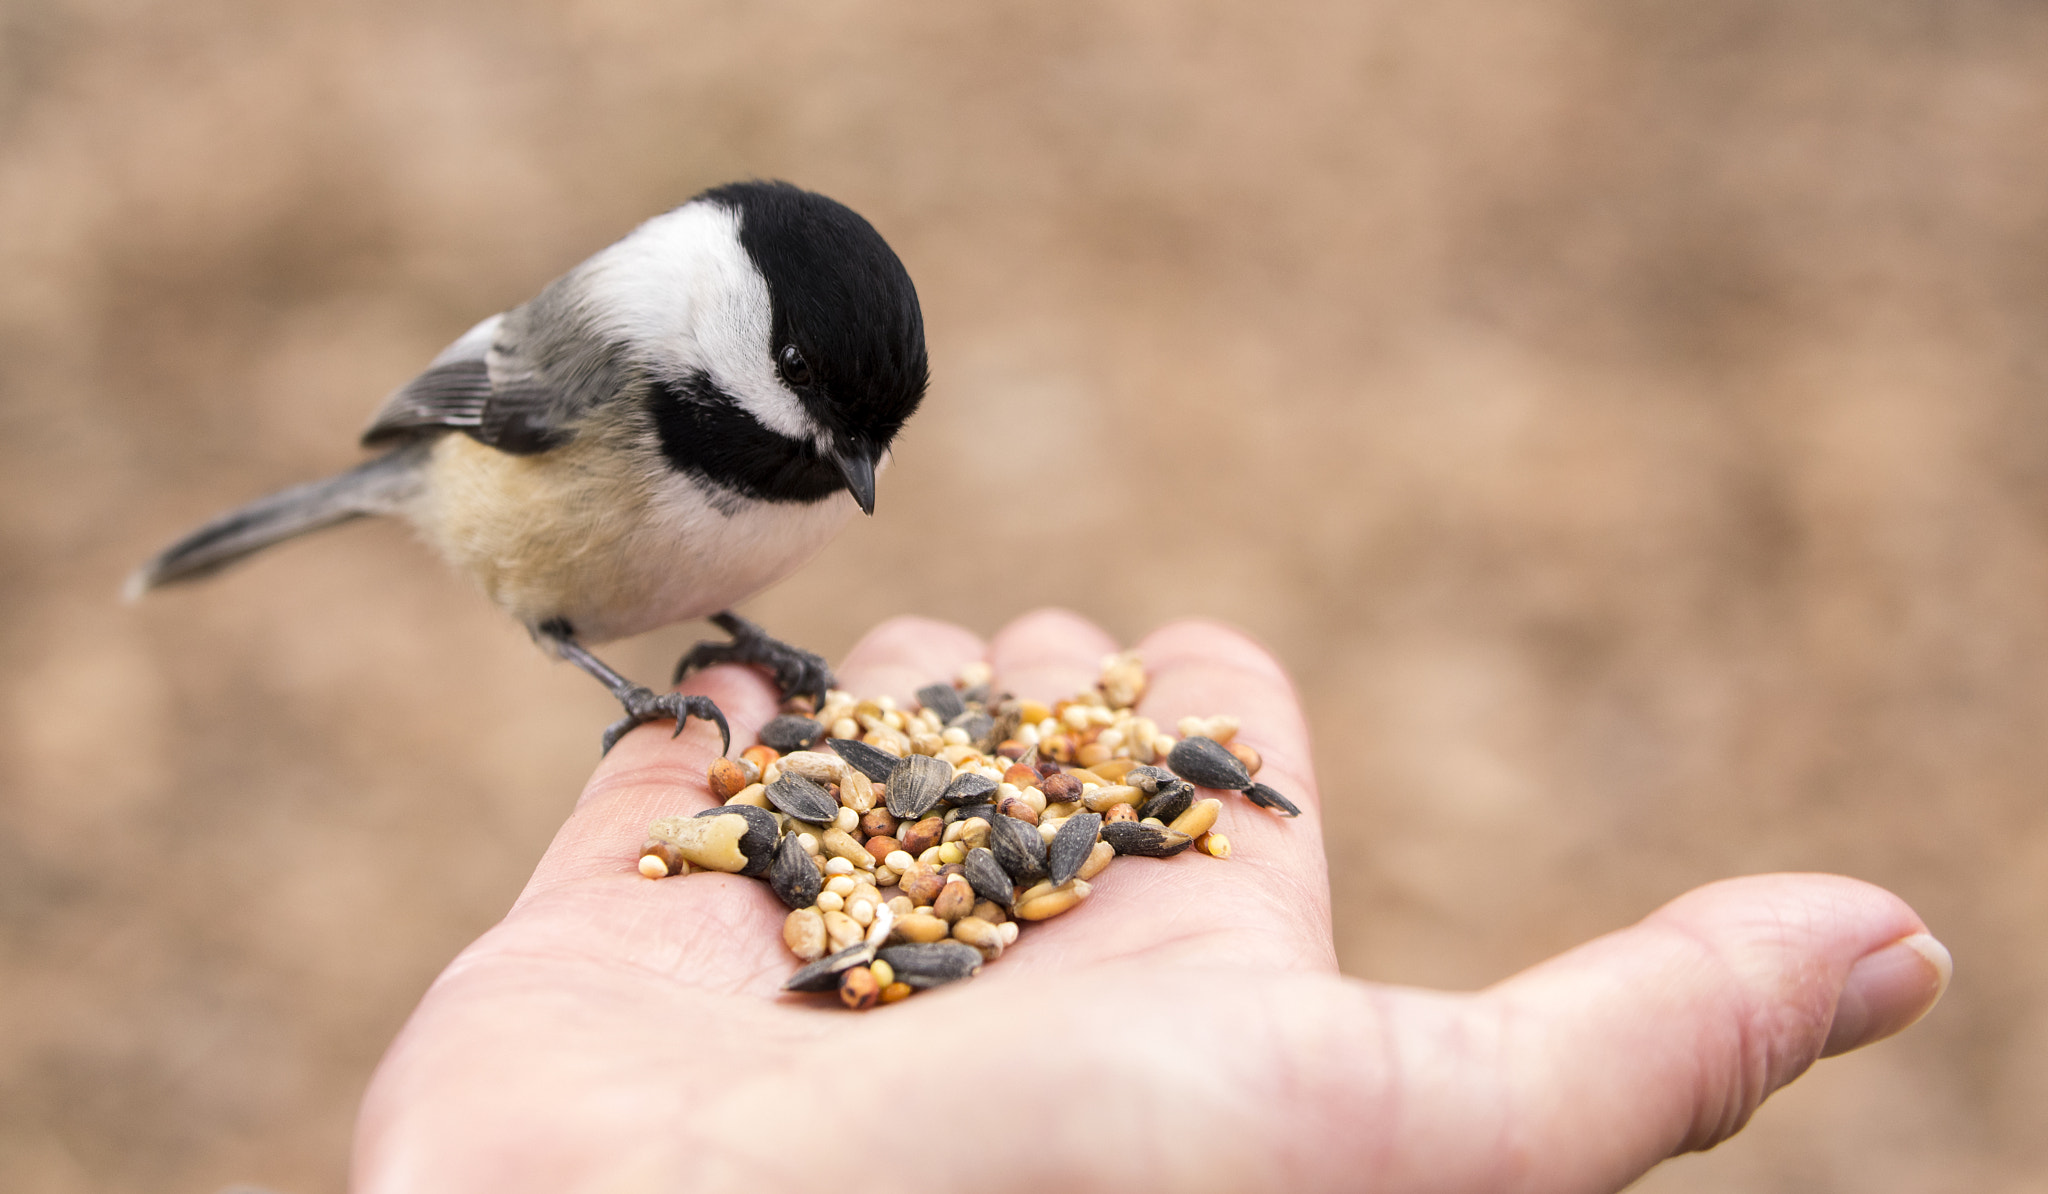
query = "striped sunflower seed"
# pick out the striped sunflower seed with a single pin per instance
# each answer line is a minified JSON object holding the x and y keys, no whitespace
{"x":1018,"y":848}
{"x":802,"y":799}
{"x":794,"y":876}
{"x":1070,"y":846}
{"x":934,"y":964}
{"x":968,"y":787}
{"x":1171,"y":801}
{"x":1149,"y":779}
{"x":1266,"y":797}
{"x":943,"y":700}
{"x":791,"y":732}
{"x":988,"y":878}
{"x":823,"y":974}
{"x":980,"y":728}
{"x":1205,"y":763}
{"x":1149,"y":841}
{"x":916,"y":784}
{"x":873,"y":762}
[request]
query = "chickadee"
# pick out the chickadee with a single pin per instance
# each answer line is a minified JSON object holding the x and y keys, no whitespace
{"x":673,"y":425}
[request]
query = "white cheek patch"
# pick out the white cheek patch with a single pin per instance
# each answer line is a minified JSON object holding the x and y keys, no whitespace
{"x":682,"y":285}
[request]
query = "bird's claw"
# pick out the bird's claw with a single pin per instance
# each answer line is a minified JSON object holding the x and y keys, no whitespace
{"x":796,"y":672}
{"x":645,"y":705}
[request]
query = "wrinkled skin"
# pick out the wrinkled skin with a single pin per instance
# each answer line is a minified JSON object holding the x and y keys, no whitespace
{"x":1185,"y":1028}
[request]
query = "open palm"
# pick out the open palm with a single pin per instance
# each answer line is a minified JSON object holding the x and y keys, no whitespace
{"x":1185,"y":1028}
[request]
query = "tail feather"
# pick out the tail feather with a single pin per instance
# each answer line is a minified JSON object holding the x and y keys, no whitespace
{"x":378,"y":486}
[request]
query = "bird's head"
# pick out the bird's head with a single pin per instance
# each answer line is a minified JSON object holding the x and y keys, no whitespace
{"x":804,"y":351}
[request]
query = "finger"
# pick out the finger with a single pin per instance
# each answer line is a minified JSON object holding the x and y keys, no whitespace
{"x":1200,"y":668}
{"x":1049,"y":655}
{"x":653,"y":772}
{"x":1662,"y":1038}
{"x":903,"y":655}
{"x":1268,"y":905}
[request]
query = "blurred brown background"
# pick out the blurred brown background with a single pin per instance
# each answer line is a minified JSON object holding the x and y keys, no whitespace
{"x":1626,"y":420}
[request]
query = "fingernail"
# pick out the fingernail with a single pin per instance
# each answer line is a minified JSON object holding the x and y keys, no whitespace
{"x":1887,"y":990}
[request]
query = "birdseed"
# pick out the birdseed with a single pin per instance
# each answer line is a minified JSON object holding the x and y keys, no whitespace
{"x":970,"y":812}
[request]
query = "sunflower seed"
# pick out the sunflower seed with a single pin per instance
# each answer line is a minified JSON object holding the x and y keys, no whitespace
{"x":790,"y":732}
{"x":874,"y":763}
{"x":1070,"y":846}
{"x":916,"y":785}
{"x":932,"y":965}
{"x":942,"y":700}
{"x":823,"y":974}
{"x":802,"y":799}
{"x":1018,"y":848}
{"x":1266,"y":797}
{"x":1149,"y":779}
{"x":990,"y":881}
{"x":967,"y":812}
{"x":968,"y":787}
{"x":980,"y":728}
{"x":794,"y":876}
{"x":1173,"y":800}
{"x":1150,"y":841}
{"x":1205,"y":763}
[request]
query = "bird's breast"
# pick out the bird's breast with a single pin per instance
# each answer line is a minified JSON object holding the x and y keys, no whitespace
{"x":606,"y":539}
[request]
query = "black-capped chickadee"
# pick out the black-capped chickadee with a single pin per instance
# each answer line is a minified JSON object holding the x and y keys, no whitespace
{"x":673,"y":425}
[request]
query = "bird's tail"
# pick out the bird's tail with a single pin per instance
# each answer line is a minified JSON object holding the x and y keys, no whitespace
{"x":378,"y":486}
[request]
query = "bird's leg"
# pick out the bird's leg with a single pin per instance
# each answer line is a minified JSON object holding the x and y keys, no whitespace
{"x":797,"y":672}
{"x":642,"y":704}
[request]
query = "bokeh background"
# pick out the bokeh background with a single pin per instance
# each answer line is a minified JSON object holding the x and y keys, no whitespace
{"x":1625,"y":419}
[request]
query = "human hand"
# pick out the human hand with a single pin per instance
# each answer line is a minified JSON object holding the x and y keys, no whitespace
{"x":1185,"y":1029}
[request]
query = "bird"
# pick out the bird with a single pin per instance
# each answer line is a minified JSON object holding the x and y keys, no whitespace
{"x":669,"y":427}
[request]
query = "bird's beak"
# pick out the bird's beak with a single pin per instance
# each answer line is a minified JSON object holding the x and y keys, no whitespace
{"x":859,"y":470}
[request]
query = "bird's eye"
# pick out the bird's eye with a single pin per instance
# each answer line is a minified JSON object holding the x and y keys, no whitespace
{"x":795,"y":370}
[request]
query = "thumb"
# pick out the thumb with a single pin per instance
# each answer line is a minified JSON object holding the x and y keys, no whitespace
{"x":1665,"y":1037}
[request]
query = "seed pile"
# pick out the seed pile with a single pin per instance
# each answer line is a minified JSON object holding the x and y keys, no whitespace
{"x":911,"y":845}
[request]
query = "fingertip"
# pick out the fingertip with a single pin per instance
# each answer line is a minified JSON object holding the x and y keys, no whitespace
{"x":1049,"y":654}
{"x":906,"y":653}
{"x":1665,"y":1037}
{"x":1217,"y":644}
{"x":1888,"y":991}
{"x":1202,"y":668}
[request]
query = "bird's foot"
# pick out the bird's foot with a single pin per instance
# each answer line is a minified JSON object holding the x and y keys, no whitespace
{"x":796,"y":671}
{"x":645,"y":704}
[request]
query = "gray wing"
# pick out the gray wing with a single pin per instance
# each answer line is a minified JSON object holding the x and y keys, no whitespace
{"x":520,"y":381}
